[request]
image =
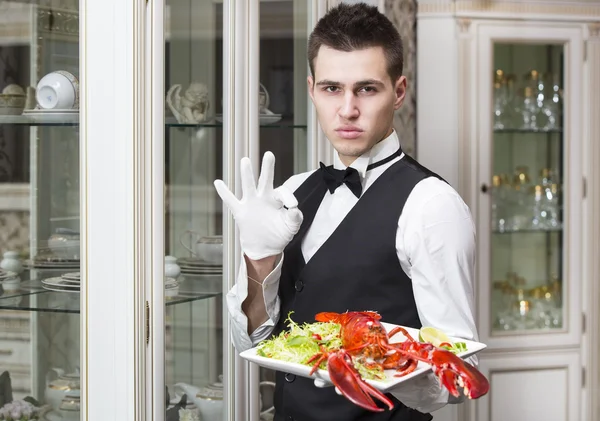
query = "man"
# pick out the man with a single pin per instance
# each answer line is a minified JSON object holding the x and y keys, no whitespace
{"x":383,"y":234}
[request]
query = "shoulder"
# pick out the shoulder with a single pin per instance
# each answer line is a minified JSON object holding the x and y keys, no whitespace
{"x":433,"y":201}
{"x":296,"y":180}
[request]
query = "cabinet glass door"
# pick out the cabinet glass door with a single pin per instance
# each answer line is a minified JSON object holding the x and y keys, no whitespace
{"x":39,"y":210}
{"x":284,"y":100}
{"x":193,"y":158}
{"x":527,"y":195}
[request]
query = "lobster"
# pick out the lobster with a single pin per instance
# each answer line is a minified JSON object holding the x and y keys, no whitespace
{"x":363,"y":336}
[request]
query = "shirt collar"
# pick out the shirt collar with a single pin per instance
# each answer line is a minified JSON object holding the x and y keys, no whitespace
{"x":379,"y":151}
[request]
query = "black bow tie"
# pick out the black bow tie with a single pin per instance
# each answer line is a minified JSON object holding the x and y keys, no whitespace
{"x":334,"y":178}
{"x":350,"y":176}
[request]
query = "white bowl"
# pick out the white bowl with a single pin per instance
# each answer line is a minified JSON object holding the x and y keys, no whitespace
{"x":58,"y":90}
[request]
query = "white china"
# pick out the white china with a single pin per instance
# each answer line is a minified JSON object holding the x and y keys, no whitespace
{"x":65,"y":243}
{"x":70,"y":406}
{"x":63,"y":385}
{"x":191,"y":107}
{"x":208,"y":399}
{"x":58,"y":90}
{"x":207,"y":248}
{"x":11,"y":262}
{"x":265,"y":413}
{"x":172,"y":269}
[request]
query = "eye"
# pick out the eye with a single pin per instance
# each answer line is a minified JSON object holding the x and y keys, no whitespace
{"x":331,"y":89}
{"x":368,"y":89}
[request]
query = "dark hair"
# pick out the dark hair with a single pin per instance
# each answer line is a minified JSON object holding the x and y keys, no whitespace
{"x":350,"y":27}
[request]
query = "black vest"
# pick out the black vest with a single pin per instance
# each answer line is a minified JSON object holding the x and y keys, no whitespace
{"x":357,"y":268}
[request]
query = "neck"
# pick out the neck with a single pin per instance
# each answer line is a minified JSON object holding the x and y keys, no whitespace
{"x":347,"y":160}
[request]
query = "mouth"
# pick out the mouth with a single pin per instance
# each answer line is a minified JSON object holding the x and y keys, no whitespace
{"x":348,"y":132}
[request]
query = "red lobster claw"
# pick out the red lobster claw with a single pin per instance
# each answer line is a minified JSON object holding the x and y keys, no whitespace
{"x":348,"y":381}
{"x":453,"y":372}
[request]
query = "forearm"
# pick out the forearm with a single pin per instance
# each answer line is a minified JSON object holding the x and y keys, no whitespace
{"x":254,"y":304}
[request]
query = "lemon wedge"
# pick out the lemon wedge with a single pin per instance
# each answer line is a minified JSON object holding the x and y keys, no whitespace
{"x":433,"y":336}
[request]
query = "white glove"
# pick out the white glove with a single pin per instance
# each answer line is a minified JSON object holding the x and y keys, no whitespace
{"x":325,"y":383}
{"x":266,"y":226}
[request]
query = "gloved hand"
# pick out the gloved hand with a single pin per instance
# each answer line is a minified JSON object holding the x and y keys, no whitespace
{"x":267,"y":219}
{"x":326,"y":383}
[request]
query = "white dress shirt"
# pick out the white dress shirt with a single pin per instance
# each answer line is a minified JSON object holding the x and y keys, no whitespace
{"x":435,"y":243}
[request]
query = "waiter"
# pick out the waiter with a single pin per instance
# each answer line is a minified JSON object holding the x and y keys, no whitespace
{"x":375,"y":231}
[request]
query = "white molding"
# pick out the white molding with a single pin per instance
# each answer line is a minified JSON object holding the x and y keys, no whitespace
{"x":112,"y":364}
{"x":15,"y":197}
{"x":592,"y":219}
{"x":531,"y":11}
{"x":531,"y":361}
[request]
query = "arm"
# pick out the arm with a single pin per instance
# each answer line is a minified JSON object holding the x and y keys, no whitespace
{"x":254,"y":311}
{"x":436,"y":247}
{"x":267,"y":220}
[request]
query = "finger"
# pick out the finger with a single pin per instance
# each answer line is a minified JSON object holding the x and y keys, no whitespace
{"x":322,"y":383}
{"x":247,"y":178}
{"x":227,"y":196}
{"x":293,"y":219}
{"x":267,"y":171}
{"x":285,"y":197}
{"x":338,"y":391}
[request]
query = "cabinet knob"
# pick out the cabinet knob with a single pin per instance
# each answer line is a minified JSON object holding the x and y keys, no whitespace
{"x":484,"y":188}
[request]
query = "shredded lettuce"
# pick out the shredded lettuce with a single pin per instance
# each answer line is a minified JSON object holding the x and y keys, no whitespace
{"x":299,"y":343}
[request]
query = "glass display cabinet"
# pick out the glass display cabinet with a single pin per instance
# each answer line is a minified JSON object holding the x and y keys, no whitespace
{"x":40,"y":269}
{"x":516,"y":134}
{"x":232,"y":83}
{"x":117,"y":253}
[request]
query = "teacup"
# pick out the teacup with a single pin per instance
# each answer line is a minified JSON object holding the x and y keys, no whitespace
{"x":207,"y":248}
{"x":271,"y":409}
{"x":58,"y":91}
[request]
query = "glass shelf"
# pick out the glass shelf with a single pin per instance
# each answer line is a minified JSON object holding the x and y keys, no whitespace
{"x":68,"y":121}
{"x":32,"y":296}
{"x":528,"y":131}
{"x":220,"y":125}
{"x":528,"y":231}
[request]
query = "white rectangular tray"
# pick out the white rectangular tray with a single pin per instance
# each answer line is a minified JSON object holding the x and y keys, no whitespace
{"x":383,"y":385}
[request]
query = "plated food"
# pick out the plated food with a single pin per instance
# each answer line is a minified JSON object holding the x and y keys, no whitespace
{"x":364,"y":357}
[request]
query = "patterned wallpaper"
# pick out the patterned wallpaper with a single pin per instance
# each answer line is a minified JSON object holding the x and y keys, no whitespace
{"x":403,"y":13}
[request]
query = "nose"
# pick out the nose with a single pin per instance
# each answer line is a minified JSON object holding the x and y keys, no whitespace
{"x":349,"y":107}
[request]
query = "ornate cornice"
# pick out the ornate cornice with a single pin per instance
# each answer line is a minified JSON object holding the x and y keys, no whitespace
{"x":503,"y":7}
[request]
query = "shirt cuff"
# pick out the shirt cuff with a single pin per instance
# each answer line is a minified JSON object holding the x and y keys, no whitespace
{"x":236,"y":296}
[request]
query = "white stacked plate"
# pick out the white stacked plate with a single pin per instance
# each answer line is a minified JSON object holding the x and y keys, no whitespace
{"x":6,"y":274}
{"x":68,"y":282}
{"x":195,"y":266}
{"x":53,"y":262}
{"x":171,"y":287}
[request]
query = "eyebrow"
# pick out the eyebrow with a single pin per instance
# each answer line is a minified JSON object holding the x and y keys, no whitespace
{"x":358,"y":84}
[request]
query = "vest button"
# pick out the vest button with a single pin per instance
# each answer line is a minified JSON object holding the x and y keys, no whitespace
{"x":289,"y":418}
{"x":289,"y":377}
{"x":299,"y":285}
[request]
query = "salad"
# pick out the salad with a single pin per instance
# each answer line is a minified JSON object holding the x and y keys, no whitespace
{"x":301,"y":342}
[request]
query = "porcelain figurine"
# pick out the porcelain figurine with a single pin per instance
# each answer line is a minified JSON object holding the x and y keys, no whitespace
{"x":192,"y":107}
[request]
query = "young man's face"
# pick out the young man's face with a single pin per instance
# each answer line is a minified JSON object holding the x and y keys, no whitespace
{"x":355,"y":98}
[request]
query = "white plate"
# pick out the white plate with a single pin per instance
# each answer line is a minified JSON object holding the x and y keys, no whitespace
{"x":58,"y":282}
{"x":383,"y":385}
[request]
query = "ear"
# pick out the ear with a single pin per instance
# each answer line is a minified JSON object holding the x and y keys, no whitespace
{"x":399,"y":91}
{"x":311,"y":87}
